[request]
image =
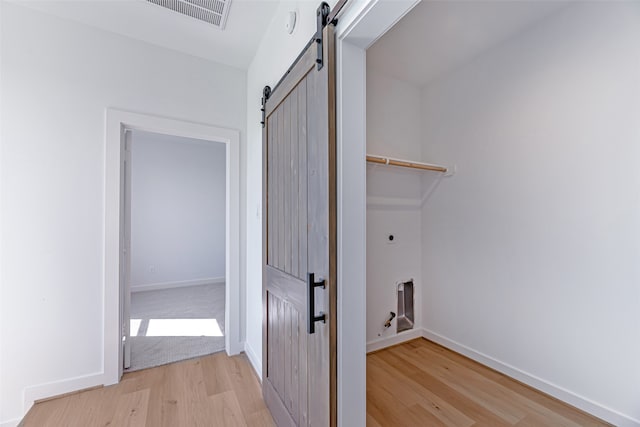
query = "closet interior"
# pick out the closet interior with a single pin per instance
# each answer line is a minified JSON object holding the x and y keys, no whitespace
{"x":484,"y":123}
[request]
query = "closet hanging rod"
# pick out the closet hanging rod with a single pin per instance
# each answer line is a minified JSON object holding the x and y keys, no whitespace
{"x":405,"y":163}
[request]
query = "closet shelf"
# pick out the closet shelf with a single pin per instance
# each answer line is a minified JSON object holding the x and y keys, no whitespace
{"x":405,"y":163}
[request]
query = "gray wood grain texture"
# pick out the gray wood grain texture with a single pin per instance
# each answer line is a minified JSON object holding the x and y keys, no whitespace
{"x":295,"y":178}
{"x":268,"y":194}
{"x":287,"y":321}
{"x":318,"y":241}
{"x":278,"y":411}
{"x":287,"y":184}
{"x":296,"y":383}
{"x":279,"y":161}
{"x":285,"y":167}
{"x":330,"y":55}
{"x":302,"y":184}
{"x":285,"y":352}
{"x":306,"y":63}
{"x":266,"y":243}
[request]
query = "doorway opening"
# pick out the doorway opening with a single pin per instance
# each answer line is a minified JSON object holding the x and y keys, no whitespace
{"x":174,"y":254}
{"x":514,"y":77}
{"x":120,"y":125}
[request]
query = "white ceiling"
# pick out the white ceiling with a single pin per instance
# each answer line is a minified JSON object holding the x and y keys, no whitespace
{"x":438,"y":36}
{"x":141,"y":20}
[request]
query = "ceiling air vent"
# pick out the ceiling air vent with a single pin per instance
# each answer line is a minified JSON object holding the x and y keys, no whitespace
{"x":214,"y":12}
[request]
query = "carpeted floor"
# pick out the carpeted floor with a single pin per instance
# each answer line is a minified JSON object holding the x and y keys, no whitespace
{"x":176,"y":324}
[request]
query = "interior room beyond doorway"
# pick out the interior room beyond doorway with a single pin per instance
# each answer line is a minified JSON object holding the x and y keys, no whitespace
{"x":177,"y":270}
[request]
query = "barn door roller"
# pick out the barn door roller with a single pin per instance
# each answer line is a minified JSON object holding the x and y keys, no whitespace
{"x":266,"y":93}
{"x":322,"y":14}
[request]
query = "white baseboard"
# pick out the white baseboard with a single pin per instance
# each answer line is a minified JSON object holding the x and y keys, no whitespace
{"x":43,"y":391}
{"x":393,"y":340}
{"x":256,"y":361}
{"x":180,"y":284}
{"x":10,"y":423}
{"x":549,"y":388}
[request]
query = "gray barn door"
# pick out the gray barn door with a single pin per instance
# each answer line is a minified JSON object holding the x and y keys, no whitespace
{"x":299,"y":229}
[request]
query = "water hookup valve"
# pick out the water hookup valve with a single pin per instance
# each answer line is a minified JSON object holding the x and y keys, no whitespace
{"x":387,"y":324}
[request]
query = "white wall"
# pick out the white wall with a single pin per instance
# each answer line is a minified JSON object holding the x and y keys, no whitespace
{"x":57,"y":79}
{"x":389,"y":264}
{"x":393,"y":200}
{"x":177,"y":210}
{"x":276,"y":53}
{"x":2,"y":323}
{"x":533,"y":247}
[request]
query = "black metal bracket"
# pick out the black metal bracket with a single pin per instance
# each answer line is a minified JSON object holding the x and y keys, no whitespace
{"x":322,"y":15}
{"x":266,"y":93}
{"x":311,"y":303}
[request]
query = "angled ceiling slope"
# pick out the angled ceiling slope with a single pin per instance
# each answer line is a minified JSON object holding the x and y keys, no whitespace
{"x":436,"y":37}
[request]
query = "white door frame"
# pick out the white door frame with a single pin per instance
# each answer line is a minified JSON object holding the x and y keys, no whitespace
{"x":116,"y":122}
{"x":125,"y":245}
{"x":360,"y":26}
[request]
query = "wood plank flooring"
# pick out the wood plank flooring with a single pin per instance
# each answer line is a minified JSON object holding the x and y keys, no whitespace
{"x":413,"y":384}
{"x":214,"y":390}
{"x":420,"y":383}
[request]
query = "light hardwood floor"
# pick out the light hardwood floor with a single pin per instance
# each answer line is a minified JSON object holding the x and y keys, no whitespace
{"x":214,"y":390}
{"x":414,"y":384}
{"x":419,"y":383}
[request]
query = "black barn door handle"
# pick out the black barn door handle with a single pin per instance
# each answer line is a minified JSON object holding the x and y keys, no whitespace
{"x":311,"y":303}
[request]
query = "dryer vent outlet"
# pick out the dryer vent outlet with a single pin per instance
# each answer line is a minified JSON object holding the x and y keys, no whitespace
{"x":406,"y":315}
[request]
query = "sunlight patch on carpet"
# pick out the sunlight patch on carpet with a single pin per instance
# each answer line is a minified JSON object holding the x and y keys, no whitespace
{"x":183,"y":328}
{"x":134,"y":327}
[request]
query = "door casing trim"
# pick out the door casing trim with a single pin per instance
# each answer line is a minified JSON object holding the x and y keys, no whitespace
{"x":116,"y":121}
{"x":361,"y":24}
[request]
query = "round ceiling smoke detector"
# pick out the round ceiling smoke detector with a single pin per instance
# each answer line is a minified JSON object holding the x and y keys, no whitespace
{"x":290,"y":23}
